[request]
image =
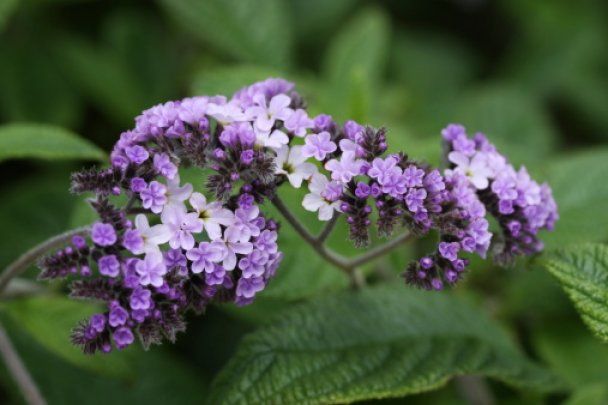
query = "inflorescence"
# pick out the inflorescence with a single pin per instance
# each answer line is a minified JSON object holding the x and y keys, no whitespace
{"x":161,"y":249}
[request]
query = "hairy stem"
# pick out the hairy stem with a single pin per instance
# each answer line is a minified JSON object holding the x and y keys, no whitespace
{"x":328,"y":228}
{"x":17,"y":369}
{"x":31,"y":256}
{"x":350,"y":267}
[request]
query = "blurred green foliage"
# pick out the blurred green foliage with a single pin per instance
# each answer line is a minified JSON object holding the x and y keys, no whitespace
{"x":530,"y":74}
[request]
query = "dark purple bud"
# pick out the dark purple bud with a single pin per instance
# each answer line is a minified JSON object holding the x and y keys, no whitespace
{"x":219,"y":154}
{"x":247,"y":157}
{"x":138,"y":184}
{"x":344,"y":207}
{"x":350,"y":220}
{"x":426,"y":263}
{"x":234,"y":176}
{"x":367,"y":209}
{"x":362,"y":190}
{"x":437,"y":284}
{"x":79,"y":242}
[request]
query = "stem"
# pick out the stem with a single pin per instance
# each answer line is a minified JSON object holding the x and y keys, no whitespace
{"x":328,"y":228}
{"x":347,"y":266}
{"x":31,"y":256}
{"x":17,"y":369}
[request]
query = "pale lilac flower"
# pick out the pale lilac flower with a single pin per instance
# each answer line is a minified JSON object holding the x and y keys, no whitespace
{"x":415,"y":199}
{"x":298,"y":122}
{"x":266,"y":115}
{"x":347,"y":145}
{"x":449,"y":250}
{"x":151,"y":270}
{"x":318,"y":145}
{"x":118,"y":316}
{"x":164,"y":166}
{"x":103,"y":234}
{"x":123,"y":337}
{"x":212,"y":214}
{"x":145,"y":238}
{"x":230,"y":246}
{"x":245,"y":225}
{"x":475,"y":169}
{"x":394,"y":183}
{"x":204,"y":257}
{"x":345,"y":169}
{"x":291,"y":162}
{"x":192,"y":110}
{"x":413,"y":176}
{"x":316,"y":200}
{"x":254,"y":264}
{"x":266,"y":241}
{"x":248,"y":287}
{"x":154,"y":197}
{"x":176,"y":194}
{"x":382,"y":169}
{"x":182,"y":225}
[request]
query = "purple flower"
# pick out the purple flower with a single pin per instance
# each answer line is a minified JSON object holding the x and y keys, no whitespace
{"x":103,"y":234}
{"x":413,"y":176}
{"x":253,"y":265}
{"x":109,"y":265}
{"x":216,"y":276}
{"x":352,"y":130}
{"x":248,"y":287}
{"x":151,"y":270}
{"x":138,"y":184}
{"x":415,"y":199}
{"x":154,"y":197}
{"x":344,"y":169}
{"x":363,"y":190}
{"x":98,"y":322}
{"x":137,"y":154}
{"x":230,"y":246}
{"x":164,"y":166}
{"x":247,"y":157}
{"x":123,"y":337}
{"x":298,"y":122}
{"x":323,"y":122}
{"x":141,"y":298}
{"x":394,"y":183}
{"x":449,"y":250}
{"x":175,"y":258}
{"x":118,"y":315}
{"x":452,"y":131}
{"x":266,"y":242}
{"x":318,"y":146}
{"x":204,"y":257}
{"x":382,"y":169}
{"x":244,"y":225}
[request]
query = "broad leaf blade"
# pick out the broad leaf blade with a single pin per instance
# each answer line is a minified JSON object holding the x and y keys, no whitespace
{"x":383,"y":342}
{"x":251,"y":31}
{"x":583,"y":273}
{"x":19,"y":141}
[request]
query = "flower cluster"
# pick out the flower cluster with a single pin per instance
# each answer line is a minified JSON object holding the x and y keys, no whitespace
{"x":162,"y":248}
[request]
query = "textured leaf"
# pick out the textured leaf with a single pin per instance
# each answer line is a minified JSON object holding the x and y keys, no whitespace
{"x":382,"y":342}
{"x":592,"y":394}
{"x":19,"y":141}
{"x":583,"y":273}
{"x":255,"y":31}
{"x":7,"y":7}
{"x":49,"y":319}
{"x":580,"y":189}
{"x":355,"y":61}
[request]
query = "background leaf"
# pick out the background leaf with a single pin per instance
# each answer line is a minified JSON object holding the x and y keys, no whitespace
{"x":374,"y":344}
{"x":25,"y":140}
{"x":583,"y":272}
{"x":255,"y":31}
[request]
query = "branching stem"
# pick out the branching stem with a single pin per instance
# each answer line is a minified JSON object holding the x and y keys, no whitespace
{"x":348,"y":266}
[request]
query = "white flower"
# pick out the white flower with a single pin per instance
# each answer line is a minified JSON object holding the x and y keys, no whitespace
{"x":151,"y":236}
{"x":275,"y":140}
{"x":181,"y":226}
{"x":320,"y":188}
{"x":230,"y":246}
{"x":176,"y":194}
{"x":476,"y":169}
{"x":264,"y":115}
{"x":226,"y":113}
{"x":212,"y":215}
{"x":292,"y":163}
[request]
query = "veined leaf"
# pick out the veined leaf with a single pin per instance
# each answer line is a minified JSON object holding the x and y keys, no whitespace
{"x":377,"y":343}
{"x":583,"y":272}
{"x":22,"y":140}
{"x":49,"y":319}
{"x":255,"y":31}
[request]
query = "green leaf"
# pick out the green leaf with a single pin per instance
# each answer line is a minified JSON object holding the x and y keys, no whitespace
{"x":227,"y":80}
{"x":7,"y":7}
{"x":354,"y":64}
{"x":580,"y":189}
{"x":592,"y":394}
{"x":49,"y":319}
{"x":377,"y":343}
{"x":254,"y":31}
{"x":583,"y":272}
{"x":25,"y":140}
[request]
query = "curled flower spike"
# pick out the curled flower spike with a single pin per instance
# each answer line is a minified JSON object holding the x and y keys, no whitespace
{"x":173,"y":248}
